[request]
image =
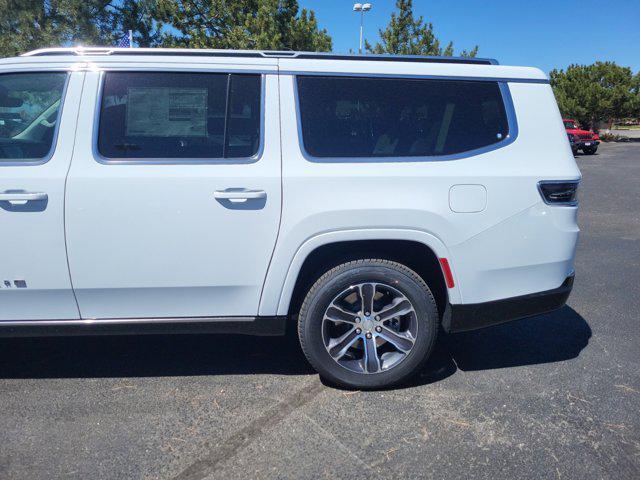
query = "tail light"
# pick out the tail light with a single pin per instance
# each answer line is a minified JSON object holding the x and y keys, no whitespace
{"x":559,"y":192}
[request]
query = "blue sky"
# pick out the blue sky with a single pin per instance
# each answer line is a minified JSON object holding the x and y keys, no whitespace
{"x":544,"y":33}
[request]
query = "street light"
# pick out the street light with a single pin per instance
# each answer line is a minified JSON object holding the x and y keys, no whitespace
{"x":361,"y":7}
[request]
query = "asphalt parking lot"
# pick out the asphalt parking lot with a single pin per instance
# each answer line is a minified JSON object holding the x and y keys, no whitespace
{"x":556,"y":396}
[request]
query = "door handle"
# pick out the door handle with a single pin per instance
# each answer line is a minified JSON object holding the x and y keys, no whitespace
{"x":22,"y":197}
{"x":239,"y":194}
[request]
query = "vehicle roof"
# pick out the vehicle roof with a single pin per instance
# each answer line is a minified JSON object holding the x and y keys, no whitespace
{"x":265,"y":60}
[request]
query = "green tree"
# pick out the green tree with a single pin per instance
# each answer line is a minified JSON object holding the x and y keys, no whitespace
{"x":601,"y":92}
{"x":139,"y":16}
{"x":407,"y":35}
{"x":30,"y":24}
{"x":249,"y":24}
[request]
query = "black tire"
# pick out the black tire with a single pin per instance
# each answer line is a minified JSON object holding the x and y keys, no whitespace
{"x":325,"y":289}
{"x":589,"y":150}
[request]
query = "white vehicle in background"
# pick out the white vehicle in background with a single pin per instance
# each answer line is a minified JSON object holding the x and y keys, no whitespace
{"x":372,"y":199}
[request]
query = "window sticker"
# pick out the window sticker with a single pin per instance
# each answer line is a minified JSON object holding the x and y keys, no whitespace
{"x":166,"y":112}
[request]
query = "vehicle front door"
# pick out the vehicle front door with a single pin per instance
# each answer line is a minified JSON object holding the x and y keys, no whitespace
{"x":38,"y":111}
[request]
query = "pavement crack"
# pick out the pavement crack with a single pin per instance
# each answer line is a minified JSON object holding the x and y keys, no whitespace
{"x":245,"y":436}
{"x":344,"y":447}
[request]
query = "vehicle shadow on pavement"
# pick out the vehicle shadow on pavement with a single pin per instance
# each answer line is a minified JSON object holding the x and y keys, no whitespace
{"x":149,"y":356}
{"x":554,"y":337}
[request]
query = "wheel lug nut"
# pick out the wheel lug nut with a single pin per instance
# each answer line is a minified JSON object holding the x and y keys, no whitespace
{"x":367,"y":314}
{"x":368,"y":335}
{"x":377,"y":318}
{"x":378,"y":329}
{"x":358,"y":331}
{"x":357,"y":319}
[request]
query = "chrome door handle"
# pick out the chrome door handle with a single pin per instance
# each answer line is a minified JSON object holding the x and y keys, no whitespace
{"x":22,"y":196}
{"x":239,"y":194}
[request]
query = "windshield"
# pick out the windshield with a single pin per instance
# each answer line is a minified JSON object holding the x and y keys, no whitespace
{"x":570,"y":125}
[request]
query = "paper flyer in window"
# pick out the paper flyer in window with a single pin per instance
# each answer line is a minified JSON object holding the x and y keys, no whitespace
{"x":166,"y":112}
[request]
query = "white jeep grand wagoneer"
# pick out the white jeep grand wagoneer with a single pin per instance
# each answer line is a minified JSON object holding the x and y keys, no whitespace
{"x":371,"y":199}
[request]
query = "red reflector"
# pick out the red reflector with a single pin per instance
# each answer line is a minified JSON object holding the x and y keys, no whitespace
{"x":446,"y":269}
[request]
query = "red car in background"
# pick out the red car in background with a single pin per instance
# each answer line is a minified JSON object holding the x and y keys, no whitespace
{"x":585,"y":140}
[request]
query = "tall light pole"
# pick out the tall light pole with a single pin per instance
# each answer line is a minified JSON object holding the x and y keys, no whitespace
{"x":361,"y":7}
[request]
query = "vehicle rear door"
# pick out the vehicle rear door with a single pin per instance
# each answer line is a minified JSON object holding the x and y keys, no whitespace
{"x":174,"y":195}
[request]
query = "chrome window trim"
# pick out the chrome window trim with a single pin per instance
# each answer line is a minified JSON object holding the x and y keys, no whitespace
{"x":511,"y":137}
{"x":54,"y":141}
{"x":99,"y":158}
{"x":573,"y":203}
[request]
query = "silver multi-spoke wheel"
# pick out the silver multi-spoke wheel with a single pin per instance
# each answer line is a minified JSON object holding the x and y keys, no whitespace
{"x":368,"y":323}
{"x":369,"y":327}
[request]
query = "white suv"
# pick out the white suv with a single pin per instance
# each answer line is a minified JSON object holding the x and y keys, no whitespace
{"x":372,"y":199}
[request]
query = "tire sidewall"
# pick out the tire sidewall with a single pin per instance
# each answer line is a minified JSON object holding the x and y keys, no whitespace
{"x":415,"y":291}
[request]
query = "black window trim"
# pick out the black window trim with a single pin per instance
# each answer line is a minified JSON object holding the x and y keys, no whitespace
{"x":54,"y":141}
{"x":503,"y":85}
{"x":98,"y":157}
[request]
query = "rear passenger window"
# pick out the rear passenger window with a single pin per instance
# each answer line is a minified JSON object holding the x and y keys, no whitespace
{"x":381,"y":117}
{"x":179,"y":115}
{"x":29,"y":114}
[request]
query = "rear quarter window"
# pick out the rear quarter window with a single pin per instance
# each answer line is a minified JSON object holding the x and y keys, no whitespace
{"x":348,"y":117}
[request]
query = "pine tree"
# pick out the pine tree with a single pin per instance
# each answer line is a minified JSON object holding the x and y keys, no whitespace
{"x":248,"y":24}
{"x":407,"y":35}
{"x":601,"y":92}
{"x":244,"y":24}
{"x":30,"y":24}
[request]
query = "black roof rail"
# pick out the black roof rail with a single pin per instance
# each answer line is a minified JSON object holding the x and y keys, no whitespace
{"x":386,"y":57}
{"x":257,"y":54}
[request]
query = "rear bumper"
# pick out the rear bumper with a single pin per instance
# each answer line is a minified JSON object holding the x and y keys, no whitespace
{"x":463,"y":318}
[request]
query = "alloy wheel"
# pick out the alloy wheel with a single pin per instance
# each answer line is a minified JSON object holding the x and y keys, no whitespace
{"x":369,"y":328}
